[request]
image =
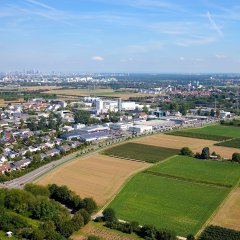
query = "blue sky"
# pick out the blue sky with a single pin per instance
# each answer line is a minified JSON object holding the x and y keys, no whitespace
{"x":120,"y":35}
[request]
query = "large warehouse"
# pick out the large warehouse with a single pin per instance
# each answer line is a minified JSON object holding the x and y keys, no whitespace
{"x":140,"y":129}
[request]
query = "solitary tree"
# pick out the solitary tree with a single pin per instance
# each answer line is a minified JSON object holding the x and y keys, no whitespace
{"x":205,"y":153}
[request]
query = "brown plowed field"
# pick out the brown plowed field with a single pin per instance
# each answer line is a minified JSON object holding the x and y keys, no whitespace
{"x":96,"y":176}
{"x":228,"y":215}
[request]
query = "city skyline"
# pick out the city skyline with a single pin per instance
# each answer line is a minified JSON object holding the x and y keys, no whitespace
{"x":126,"y":36}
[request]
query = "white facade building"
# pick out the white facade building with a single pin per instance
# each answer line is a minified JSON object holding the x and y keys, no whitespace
{"x":140,"y":129}
{"x":128,"y":105}
{"x":103,"y":106}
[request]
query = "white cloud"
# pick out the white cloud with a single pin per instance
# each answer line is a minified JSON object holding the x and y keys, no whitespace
{"x":214,"y":25}
{"x":97,"y":58}
{"x":195,"y":41}
{"x":220,"y":56}
{"x":182,"y":58}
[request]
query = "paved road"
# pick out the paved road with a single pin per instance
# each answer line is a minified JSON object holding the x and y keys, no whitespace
{"x":29,"y":177}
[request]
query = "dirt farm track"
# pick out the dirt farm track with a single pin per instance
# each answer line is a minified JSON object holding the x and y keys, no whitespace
{"x":97,"y":176}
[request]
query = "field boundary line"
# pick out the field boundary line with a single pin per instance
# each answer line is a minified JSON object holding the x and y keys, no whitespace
{"x":202,"y":182}
{"x":218,"y":208}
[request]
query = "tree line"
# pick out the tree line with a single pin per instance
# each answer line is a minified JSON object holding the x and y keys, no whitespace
{"x":39,"y":212}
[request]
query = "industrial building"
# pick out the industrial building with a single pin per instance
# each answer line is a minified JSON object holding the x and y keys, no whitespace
{"x":139,"y":129}
{"x":106,"y":105}
{"x":120,"y":126}
{"x":93,"y":137}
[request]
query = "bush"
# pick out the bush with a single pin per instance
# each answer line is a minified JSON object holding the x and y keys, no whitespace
{"x":67,"y":229}
{"x":77,"y":221}
{"x":86,"y":216}
{"x":109,"y":215}
{"x":92,"y":237}
{"x":37,"y":190}
{"x":186,"y":151}
{"x":89,"y":204}
{"x":198,"y":155}
{"x":190,"y":237}
{"x":236,"y":157}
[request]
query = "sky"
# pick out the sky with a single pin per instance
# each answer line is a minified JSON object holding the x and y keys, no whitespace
{"x":150,"y":36}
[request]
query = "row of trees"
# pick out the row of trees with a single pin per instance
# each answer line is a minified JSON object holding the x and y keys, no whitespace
{"x":65,"y":196}
{"x":206,"y":154}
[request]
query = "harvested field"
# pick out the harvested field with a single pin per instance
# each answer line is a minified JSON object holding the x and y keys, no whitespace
{"x":124,"y":93}
{"x":79,"y":92}
{"x":96,"y":176}
{"x":3,"y":103}
{"x":30,"y":88}
{"x":229,"y":214}
{"x":35,"y":88}
{"x":169,"y":141}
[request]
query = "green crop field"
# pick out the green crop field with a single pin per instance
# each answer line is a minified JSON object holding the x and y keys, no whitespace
{"x":168,"y":203}
{"x":210,"y":171}
{"x":233,"y":143}
{"x":198,"y":135}
{"x":219,"y":130}
{"x":215,"y":133}
{"x":141,"y":152}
